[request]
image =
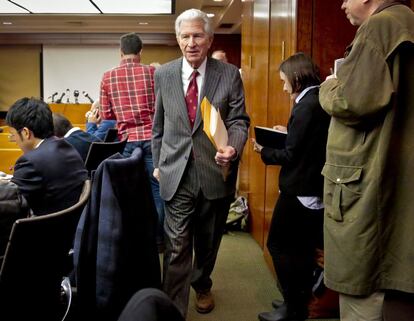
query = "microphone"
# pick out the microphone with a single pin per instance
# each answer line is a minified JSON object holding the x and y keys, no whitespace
{"x":87,"y":96}
{"x":67,"y":95}
{"x":53,"y":97}
{"x":76,"y":95}
{"x":59,"y":100}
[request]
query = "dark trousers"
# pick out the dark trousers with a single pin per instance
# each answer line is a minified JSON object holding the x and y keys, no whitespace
{"x":294,"y":234}
{"x":191,"y":220}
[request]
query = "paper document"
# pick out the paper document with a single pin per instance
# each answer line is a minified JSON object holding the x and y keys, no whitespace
{"x":4,"y":176}
{"x":337,"y":64}
{"x":215,"y":129}
{"x":213,"y":125}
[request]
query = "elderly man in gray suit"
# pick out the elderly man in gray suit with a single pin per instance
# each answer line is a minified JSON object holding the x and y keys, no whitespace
{"x":187,"y":164}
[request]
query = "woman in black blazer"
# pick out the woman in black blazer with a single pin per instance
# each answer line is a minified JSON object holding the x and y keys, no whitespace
{"x":297,"y":224}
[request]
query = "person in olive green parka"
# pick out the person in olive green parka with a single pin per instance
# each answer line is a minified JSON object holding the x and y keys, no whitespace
{"x":369,"y":170}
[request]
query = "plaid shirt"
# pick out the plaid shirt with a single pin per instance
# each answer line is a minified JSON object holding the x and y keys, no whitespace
{"x":127,"y":95}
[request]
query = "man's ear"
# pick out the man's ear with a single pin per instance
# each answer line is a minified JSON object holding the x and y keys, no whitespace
{"x":26,"y":133}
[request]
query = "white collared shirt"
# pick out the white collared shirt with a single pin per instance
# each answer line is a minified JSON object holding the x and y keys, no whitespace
{"x":70,"y":131}
{"x":187,"y":70}
{"x":303,"y":93}
{"x":38,"y":144}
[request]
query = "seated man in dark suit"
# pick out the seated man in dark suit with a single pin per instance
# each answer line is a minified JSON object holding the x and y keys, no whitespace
{"x":50,"y":174}
{"x":79,"y":139}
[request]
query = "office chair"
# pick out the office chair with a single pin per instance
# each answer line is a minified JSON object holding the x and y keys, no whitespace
{"x":98,"y":151}
{"x":36,"y":261}
{"x":150,"y":304}
{"x":111,"y":135}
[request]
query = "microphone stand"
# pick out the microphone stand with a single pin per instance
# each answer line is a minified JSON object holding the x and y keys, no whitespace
{"x":59,"y":100}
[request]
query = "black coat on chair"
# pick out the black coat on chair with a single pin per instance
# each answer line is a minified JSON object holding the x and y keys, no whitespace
{"x":115,"y":246}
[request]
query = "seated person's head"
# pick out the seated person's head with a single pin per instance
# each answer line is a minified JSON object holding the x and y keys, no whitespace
{"x":219,"y":55}
{"x":30,"y":121}
{"x":61,"y":124}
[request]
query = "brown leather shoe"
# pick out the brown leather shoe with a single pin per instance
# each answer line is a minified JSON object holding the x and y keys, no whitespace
{"x":204,"y":302}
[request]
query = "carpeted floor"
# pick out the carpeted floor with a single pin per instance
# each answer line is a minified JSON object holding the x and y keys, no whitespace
{"x":243,"y":285}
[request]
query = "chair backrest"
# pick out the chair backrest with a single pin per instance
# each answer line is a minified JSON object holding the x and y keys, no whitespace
{"x":111,"y":135}
{"x":98,"y":151}
{"x":36,"y":260}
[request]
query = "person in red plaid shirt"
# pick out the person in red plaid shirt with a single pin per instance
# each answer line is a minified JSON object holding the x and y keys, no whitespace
{"x":127,"y":95}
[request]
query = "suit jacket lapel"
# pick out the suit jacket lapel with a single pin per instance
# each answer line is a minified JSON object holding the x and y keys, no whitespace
{"x":210,"y":84}
{"x":176,"y":83}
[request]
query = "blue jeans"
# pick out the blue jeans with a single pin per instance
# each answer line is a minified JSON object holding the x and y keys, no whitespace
{"x":145,"y":145}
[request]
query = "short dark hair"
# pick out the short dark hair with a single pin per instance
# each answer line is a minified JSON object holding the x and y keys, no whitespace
{"x":131,"y":44}
{"x":32,"y":113}
{"x":300,"y":71}
{"x":61,"y":124}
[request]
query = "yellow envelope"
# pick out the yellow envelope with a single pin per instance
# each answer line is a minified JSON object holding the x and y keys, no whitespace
{"x":213,"y":124}
{"x":215,"y":129}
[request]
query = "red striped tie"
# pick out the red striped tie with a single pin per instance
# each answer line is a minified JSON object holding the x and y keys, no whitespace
{"x":191,"y":98}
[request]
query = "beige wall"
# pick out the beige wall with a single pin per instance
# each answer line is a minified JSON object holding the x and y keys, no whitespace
{"x":159,"y":53}
{"x":20,"y":69}
{"x":19,"y":73}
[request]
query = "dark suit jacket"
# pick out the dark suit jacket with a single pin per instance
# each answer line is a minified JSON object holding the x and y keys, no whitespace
{"x":81,"y":141}
{"x":173,"y":139}
{"x":304,"y":155}
{"x":51,"y":176}
{"x":115,"y":247}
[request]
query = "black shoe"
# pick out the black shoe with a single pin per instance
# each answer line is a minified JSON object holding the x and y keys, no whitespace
{"x":277,"y":303}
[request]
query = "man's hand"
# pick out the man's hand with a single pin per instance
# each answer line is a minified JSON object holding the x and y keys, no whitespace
{"x":331,"y":76}
{"x":280,"y":128}
{"x":225,"y":155}
{"x":94,"y":117}
{"x":156,"y":174}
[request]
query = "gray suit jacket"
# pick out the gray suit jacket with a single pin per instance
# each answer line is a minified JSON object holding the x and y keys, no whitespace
{"x":173,"y":139}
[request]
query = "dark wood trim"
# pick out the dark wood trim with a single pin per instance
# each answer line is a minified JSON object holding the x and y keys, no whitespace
{"x":304,"y":26}
{"x":81,"y":38}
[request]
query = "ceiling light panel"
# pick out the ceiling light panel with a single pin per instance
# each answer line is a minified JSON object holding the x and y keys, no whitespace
{"x":135,"y":6}
{"x":58,"y":6}
{"x":8,"y":7}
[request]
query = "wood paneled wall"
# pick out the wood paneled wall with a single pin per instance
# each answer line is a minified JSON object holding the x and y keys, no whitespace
{"x":20,"y":74}
{"x":231,"y":44}
{"x":272,"y":30}
{"x":323,"y":32}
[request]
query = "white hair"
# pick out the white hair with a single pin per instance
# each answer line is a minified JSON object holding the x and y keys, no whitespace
{"x":194,"y":14}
